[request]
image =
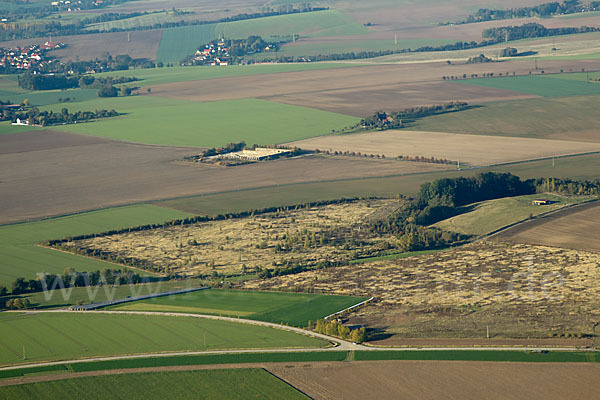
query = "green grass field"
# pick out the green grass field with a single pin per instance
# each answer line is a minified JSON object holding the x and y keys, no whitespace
{"x":68,"y":335}
{"x":151,"y":120}
{"x":539,"y":85}
{"x":212,"y":384}
{"x":536,"y":118}
{"x":20,"y":257}
{"x":288,"y":308}
{"x":319,"y":23}
{"x":157,"y":76}
{"x":489,"y":216}
{"x":178,"y":43}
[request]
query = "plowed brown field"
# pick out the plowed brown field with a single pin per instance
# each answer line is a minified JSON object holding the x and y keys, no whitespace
{"x":575,"y":228}
{"x":443,"y":380}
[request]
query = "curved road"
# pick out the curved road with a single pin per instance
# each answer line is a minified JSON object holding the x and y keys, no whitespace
{"x":339,"y":344}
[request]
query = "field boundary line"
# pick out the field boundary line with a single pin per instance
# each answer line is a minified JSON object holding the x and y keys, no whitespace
{"x":350,"y":308}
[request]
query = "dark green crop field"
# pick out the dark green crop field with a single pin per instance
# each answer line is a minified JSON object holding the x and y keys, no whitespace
{"x":213,"y":384}
{"x":288,"y":308}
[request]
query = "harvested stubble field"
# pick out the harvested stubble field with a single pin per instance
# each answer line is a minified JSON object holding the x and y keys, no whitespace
{"x":517,"y":290}
{"x":233,"y":246}
{"x":468,"y":149}
{"x":442,"y":380}
{"x":575,"y":228}
{"x":77,"y":173}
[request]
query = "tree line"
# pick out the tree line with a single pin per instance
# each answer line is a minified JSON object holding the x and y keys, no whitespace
{"x":541,"y":10}
{"x":394,"y":120}
{"x":334,"y":328}
{"x":531,"y":30}
{"x":54,"y":81}
{"x":72,"y":278}
{"x":34,"y":116}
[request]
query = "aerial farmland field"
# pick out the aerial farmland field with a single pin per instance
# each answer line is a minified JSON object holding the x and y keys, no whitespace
{"x":576,"y":228}
{"x":289,"y":308}
{"x":489,"y":216}
{"x":20,"y":257}
{"x":570,"y":118}
{"x":421,"y":379}
{"x":70,"y":335}
{"x":477,"y":150}
{"x":148,"y":120}
{"x":561,"y":85}
{"x":231,"y":384}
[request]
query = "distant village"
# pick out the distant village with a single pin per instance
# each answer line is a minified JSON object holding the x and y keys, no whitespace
{"x":28,"y":57}
{"x":226,"y":52}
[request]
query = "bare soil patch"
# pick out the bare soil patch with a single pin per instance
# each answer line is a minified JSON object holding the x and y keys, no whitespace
{"x":44,"y":140}
{"x":103,"y":173}
{"x":443,"y":380}
{"x":141,"y":44}
{"x":575,"y":228}
{"x":517,"y":291}
{"x":469,"y":149}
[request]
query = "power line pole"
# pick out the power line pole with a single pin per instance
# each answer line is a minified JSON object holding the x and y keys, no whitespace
{"x":24,"y":355}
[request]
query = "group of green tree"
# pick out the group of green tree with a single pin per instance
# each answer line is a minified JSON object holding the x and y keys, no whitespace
{"x":394,"y":120}
{"x":63,"y":81}
{"x":541,"y":10}
{"x":334,"y":328}
{"x":72,"y":278}
{"x":480,"y":59}
{"x":34,"y":116}
{"x":531,"y":30}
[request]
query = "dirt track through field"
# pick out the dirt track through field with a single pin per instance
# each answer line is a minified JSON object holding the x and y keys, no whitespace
{"x":65,"y":175}
{"x":472,"y":149}
{"x":443,"y":380}
{"x":575,"y":228}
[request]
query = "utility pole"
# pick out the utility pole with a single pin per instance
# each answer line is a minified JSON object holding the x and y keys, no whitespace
{"x":488,"y":331}
{"x":396,"y":39}
{"x":24,"y":355}
{"x":128,"y":37}
{"x":552,"y":162}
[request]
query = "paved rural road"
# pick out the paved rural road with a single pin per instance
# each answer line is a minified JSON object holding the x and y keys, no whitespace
{"x":339,"y":344}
